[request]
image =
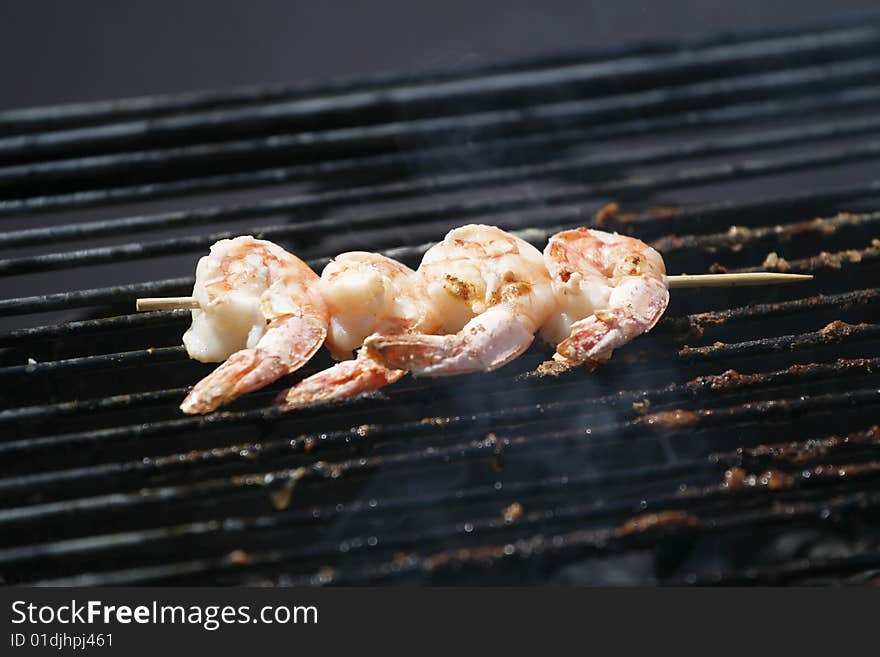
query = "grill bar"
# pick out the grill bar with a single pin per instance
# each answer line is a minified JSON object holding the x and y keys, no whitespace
{"x":589,"y":166}
{"x":39,"y":118}
{"x":391,"y":572}
{"x":152,"y":355}
{"x":127,"y":293}
{"x":91,"y":405}
{"x":696,"y":324}
{"x":367,"y":141}
{"x":842,"y":75}
{"x":42,"y":117}
{"x":491,"y":526}
{"x":397,"y":164}
{"x":783,"y":453}
{"x":794,"y":571}
{"x":595,"y":78}
{"x":384,"y":506}
{"x":479,"y":449}
{"x":627,"y":187}
{"x":734,"y":238}
{"x":660,"y":522}
{"x":580,"y":542}
{"x":102,"y":324}
{"x":801,"y":454}
{"x":723,"y":384}
{"x":835,"y":332}
{"x":94,"y":296}
{"x":837,"y":260}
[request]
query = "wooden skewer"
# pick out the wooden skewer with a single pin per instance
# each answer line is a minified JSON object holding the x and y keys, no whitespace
{"x":166,"y":303}
{"x":685,"y":280}
{"x":735,"y":280}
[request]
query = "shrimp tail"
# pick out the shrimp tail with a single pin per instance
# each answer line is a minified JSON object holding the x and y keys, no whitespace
{"x":635,"y":307}
{"x":288,"y":344}
{"x":487,"y":342}
{"x":345,"y":379}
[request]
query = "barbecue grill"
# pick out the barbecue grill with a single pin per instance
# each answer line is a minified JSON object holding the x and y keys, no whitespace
{"x":734,"y":444}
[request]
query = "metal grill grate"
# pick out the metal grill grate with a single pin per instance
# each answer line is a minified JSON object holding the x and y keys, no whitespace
{"x":665,"y":466}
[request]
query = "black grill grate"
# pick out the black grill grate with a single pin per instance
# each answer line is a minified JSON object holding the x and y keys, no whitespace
{"x":666,"y":466}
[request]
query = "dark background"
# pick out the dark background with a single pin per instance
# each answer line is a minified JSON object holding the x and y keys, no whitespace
{"x":55,"y":52}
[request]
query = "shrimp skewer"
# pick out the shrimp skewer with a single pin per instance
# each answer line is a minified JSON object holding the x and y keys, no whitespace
{"x":609,"y":289}
{"x":260,"y":307}
{"x":492,"y":292}
{"x":474,"y":304}
{"x":365,"y":293}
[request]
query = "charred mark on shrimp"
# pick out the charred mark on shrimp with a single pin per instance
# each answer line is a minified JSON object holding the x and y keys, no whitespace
{"x":459,"y":288}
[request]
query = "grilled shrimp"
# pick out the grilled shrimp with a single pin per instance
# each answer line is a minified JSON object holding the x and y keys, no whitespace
{"x":261,"y":310}
{"x":492,"y":293}
{"x":609,"y":289}
{"x":366,"y":294}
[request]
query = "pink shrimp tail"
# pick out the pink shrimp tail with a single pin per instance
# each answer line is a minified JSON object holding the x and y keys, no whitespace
{"x":251,"y":369}
{"x":345,"y":379}
{"x":637,"y":305}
